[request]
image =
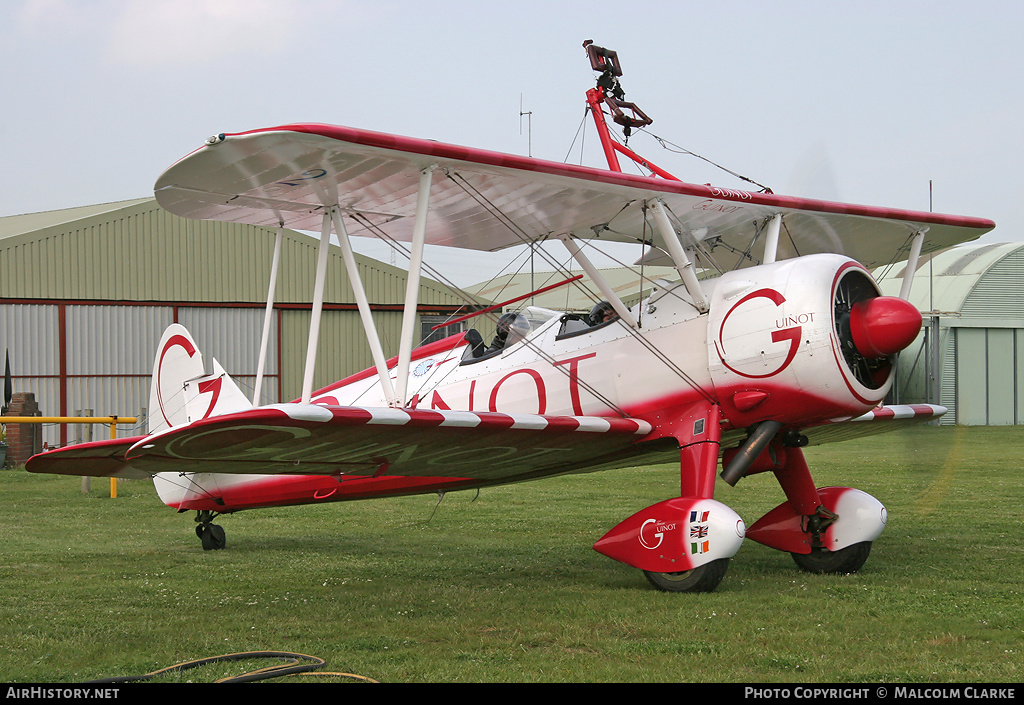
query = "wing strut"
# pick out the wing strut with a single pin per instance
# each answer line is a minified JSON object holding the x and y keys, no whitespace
{"x":602,"y":284}
{"x":265,"y":340}
{"x":771,"y":244}
{"x":332,"y":216}
{"x":318,"y":305}
{"x":364,"y":310}
{"x":679,"y":257}
{"x":911,"y":268}
{"x":412,"y":285}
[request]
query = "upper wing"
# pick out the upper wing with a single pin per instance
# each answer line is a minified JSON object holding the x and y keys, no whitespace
{"x":487,"y":200}
{"x":309,"y":439}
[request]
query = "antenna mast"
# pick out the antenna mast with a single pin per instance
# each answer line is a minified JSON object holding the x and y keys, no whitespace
{"x":529,"y":126}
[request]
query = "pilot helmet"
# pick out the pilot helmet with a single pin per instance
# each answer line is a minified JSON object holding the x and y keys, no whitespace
{"x":520,"y":327}
{"x":505,"y":324}
{"x":601,"y":312}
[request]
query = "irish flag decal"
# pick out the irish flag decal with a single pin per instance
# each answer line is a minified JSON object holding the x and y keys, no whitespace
{"x":699,"y":530}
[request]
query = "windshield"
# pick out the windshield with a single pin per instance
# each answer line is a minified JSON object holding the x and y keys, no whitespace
{"x":512,"y":328}
{"x":537,"y":317}
{"x":523,"y":324}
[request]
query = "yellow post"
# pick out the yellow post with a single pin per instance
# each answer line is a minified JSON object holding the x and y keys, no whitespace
{"x":113,"y":436}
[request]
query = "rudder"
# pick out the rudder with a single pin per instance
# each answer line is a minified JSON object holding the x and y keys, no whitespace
{"x":181,"y":391}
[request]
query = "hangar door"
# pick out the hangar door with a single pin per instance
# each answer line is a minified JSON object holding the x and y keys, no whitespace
{"x":989,"y":376}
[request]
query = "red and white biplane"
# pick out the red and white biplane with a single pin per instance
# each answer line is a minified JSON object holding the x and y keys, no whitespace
{"x":776,"y":336}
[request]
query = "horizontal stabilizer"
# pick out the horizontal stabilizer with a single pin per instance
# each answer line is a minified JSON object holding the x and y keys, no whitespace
{"x":96,"y":459}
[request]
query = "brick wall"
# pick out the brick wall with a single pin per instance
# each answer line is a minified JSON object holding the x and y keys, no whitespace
{"x":23,"y":439}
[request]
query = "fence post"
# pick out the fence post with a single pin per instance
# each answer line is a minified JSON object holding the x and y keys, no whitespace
{"x":86,"y":431}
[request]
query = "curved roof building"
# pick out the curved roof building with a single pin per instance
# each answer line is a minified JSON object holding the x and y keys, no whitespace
{"x":970,"y":355}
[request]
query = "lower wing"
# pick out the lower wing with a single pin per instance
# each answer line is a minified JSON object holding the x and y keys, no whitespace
{"x":306,"y":439}
{"x":879,"y":420}
{"x":486,"y":448}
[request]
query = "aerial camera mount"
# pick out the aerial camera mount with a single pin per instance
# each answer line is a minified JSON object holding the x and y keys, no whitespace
{"x":609,"y":93}
{"x":607,"y":63}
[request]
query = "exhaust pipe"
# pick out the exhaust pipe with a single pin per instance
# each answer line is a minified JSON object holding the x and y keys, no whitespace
{"x":748,"y":452}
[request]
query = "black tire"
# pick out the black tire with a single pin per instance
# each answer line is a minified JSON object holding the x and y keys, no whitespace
{"x":704,"y":578}
{"x":845,"y":560}
{"x":212,"y":536}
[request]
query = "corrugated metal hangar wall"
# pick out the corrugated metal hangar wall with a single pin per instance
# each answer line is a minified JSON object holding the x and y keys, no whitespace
{"x":970,"y":356}
{"x":86,"y":293}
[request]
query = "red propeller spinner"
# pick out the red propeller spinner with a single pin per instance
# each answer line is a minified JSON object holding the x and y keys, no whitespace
{"x":883,"y":325}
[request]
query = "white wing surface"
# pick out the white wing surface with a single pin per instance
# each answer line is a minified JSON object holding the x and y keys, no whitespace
{"x":484,"y":200}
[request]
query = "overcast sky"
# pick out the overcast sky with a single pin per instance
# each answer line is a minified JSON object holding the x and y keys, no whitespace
{"x":865,"y":102}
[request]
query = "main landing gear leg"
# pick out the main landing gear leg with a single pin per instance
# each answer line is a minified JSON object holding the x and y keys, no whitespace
{"x":795,"y":479}
{"x":806,"y":524}
{"x":701,"y":435}
{"x":212,"y":535}
{"x":701,"y":438}
{"x":683,"y":544}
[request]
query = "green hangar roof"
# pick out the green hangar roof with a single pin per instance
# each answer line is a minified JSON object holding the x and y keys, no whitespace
{"x":135,"y":251}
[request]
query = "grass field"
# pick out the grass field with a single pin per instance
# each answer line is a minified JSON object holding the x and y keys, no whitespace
{"x":505,"y":587}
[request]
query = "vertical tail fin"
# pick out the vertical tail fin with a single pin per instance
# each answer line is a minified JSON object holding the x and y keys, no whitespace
{"x":181,"y":391}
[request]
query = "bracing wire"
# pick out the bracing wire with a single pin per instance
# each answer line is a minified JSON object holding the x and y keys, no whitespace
{"x":675,"y":148}
{"x":896,"y":257}
{"x":578,"y":131}
{"x":495,"y":210}
{"x":523,"y":237}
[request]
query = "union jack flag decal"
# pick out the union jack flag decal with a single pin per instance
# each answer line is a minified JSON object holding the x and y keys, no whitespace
{"x":699,"y":530}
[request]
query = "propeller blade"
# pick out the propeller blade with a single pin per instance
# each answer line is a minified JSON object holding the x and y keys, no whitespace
{"x":8,"y":380}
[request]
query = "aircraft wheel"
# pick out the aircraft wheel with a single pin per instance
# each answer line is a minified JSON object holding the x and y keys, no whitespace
{"x":704,"y":578}
{"x":212,"y":536}
{"x":845,"y":560}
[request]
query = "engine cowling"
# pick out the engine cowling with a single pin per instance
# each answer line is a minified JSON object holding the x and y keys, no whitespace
{"x":804,"y":339}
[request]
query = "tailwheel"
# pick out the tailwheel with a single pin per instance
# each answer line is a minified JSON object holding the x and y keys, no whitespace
{"x":212,"y":535}
{"x":845,"y":560}
{"x":703,"y":578}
